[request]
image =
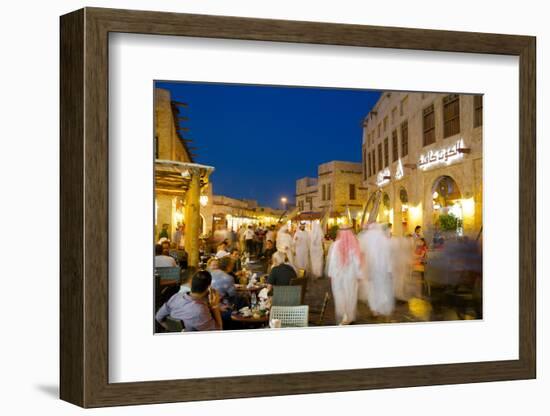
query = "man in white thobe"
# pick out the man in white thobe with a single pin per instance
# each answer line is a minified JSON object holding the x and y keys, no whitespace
{"x":301,"y":245}
{"x":345,"y":270}
{"x":377,"y":289}
{"x":316,"y":250}
{"x":284,"y":243}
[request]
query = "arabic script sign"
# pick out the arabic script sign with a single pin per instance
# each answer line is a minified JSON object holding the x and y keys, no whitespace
{"x":444,"y":156}
{"x":383,"y":177}
{"x":399,"y":170}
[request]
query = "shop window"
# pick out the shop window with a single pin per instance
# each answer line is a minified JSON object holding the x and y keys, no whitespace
{"x":386,"y":153}
{"x":394,"y":146}
{"x":428,"y":125}
{"x":352,"y":191}
{"x":370,"y":164}
{"x":404,"y":138}
{"x":451,"y":115}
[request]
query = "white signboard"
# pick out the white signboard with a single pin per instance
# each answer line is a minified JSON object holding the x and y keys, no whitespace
{"x":444,"y":156}
{"x":383,"y":177}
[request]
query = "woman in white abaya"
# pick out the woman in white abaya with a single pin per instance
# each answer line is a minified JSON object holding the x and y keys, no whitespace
{"x":377,"y":289}
{"x":344,"y":270}
{"x":316,"y":250}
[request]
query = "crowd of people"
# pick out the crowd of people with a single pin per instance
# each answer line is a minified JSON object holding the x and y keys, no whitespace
{"x":194,"y":303}
{"x":371,"y":266}
{"x":379,"y":269}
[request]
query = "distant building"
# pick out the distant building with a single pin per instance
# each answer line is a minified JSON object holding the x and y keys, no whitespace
{"x":307,"y":197}
{"x":337,"y":193}
{"x":422,"y":158}
{"x":232,"y":213}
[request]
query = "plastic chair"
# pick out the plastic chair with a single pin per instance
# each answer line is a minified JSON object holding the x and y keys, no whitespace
{"x":300,"y":281}
{"x":168,"y":273}
{"x":287,"y":295}
{"x":174,"y":325}
{"x":290,"y":316}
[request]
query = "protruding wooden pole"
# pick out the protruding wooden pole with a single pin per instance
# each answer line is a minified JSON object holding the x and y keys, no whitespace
{"x":193,"y":219}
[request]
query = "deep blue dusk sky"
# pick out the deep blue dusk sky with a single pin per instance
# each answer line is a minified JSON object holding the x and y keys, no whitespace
{"x":261,"y":139}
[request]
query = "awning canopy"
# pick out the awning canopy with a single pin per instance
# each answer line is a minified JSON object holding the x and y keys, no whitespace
{"x":173,"y":177}
{"x":308,"y":216}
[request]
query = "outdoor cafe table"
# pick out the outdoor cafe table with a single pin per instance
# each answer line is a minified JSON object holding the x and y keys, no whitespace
{"x":249,"y":321}
{"x":245,"y":288}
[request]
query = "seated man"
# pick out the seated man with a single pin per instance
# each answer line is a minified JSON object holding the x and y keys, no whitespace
{"x":199,"y":310}
{"x":222,"y":281}
{"x":281,"y":272}
{"x":185,"y":279}
{"x":163,"y":260}
{"x":222,"y":250}
{"x":236,"y":256}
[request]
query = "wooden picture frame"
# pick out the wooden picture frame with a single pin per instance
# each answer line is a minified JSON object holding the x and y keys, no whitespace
{"x":84,"y":207}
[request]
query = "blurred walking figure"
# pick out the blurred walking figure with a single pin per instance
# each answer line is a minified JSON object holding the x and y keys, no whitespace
{"x":316,"y":250}
{"x":249,"y":240}
{"x":344,"y":270}
{"x":284,"y":243}
{"x":377,"y":289}
{"x":301,"y":244}
{"x":406,"y":286}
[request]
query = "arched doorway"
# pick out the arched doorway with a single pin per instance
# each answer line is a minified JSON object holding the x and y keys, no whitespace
{"x":446,"y":204}
{"x":384,"y":213}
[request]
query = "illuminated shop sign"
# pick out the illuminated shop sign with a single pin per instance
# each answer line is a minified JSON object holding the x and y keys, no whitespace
{"x":399,"y":170}
{"x":440,"y":157}
{"x":383,"y":177}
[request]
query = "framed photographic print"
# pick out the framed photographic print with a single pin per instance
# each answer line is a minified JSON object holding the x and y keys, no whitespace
{"x":255,"y":207}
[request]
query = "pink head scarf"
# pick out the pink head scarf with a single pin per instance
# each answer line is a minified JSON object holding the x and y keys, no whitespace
{"x":348,"y":246}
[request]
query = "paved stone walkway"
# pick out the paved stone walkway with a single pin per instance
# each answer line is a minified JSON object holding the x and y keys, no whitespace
{"x":434,"y":308}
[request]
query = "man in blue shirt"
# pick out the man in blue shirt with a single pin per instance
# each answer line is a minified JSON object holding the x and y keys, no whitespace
{"x":199,"y":310}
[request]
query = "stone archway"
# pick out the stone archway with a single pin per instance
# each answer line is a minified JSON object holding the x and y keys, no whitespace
{"x":385,"y":211}
{"x":403,"y":211}
{"x":447,"y":205}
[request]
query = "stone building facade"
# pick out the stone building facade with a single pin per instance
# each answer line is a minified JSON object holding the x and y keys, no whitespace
{"x":232,"y":213}
{"x":422,"y":152}
{"x":307,"y":197}
{"x":337,"y":191}
{"x":183,"y":194}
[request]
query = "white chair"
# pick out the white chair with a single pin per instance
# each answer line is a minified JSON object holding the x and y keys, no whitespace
{"x":290,"y":316}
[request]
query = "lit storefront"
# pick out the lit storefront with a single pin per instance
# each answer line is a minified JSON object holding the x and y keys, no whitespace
{"x":424,"y":178}
{"x":233,"y":213}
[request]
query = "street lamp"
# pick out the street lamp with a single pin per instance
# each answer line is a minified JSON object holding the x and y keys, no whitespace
{"x":284,"y":201}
